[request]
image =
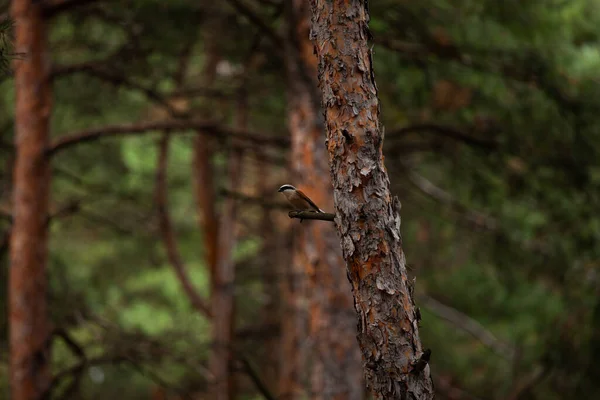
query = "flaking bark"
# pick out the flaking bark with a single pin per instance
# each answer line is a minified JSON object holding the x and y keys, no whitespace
{"x":334,"y":360}
{"x":28,"y":310}
{"x":367,"y":217}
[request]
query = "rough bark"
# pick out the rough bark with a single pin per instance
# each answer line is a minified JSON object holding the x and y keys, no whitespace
{"x":28,"y":311}
{"x":367,"y":217}
{"x":335,"y":367}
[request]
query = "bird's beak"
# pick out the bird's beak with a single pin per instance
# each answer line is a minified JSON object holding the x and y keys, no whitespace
{"x":279,"y":190}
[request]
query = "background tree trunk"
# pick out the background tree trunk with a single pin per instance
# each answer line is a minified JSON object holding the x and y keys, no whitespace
{"x":318,"y":267}
{"x":28,"y":310}
{"x":367,"y":217}
{"x":202,"y":173}
{"x":224,"y":296}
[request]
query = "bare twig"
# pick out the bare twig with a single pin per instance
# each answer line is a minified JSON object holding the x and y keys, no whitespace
{"x":255,"y":19}
{"x":255,"y":378}
{"x":469,"y":325}
{"x":475,"y":218}
{"x":311,"y":215}
{"x":167,"y":233}
{"x":521,"y":391}
{"x":174,"y":125}
{"x":254,"y":200}
{"x":54,"y":7}
{"x":442,"y":130}
{"x":4,"y":241}
{"x":70,"y":342}
{"x":86,"y":363}
{"x":96,"y":70}
{"x":420,"y":364}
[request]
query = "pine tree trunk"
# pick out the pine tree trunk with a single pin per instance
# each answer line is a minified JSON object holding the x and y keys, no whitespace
{"x":367,"y":218}
{"x":202,"y":172}
{"x":28,"y":310}
{"x":223,"y":300}
{"x":335,"y":365}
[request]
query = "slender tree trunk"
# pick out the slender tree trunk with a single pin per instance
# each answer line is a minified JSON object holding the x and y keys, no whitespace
{"x":224,"y":297}
{"x":271,"y":260}
{"x":28,"y":311}
{"x":202,"y":169}
{"x":367,"y":218}
{"x":335,"y":364}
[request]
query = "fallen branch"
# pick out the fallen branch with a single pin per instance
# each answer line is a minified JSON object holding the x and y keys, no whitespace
{"x":302,"y":215}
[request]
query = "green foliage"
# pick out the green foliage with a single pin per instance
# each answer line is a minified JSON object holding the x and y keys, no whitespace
{"x":522,"y":75}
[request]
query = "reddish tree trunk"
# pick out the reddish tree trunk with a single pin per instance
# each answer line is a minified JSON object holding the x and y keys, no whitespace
{"x":202,"y":171}
{"x":317,"y":266}
{"x":28,"y":313}
{"x":220,"y":364}
{"x":367,"y":218}
{"x":270,"y":259}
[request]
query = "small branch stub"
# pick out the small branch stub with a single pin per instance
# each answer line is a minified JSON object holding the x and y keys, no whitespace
{"x":420,"y":364}
{"x":302,"y":215}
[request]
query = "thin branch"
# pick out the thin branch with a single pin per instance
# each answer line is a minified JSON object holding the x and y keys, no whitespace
{"x":476,"y":218}
{"x":302,"y":215}
{"x":95,"y":70}
{"x":4,"y":241}
{"x":257,"y":20}
{"x":69,"y":208}
{"x":196,"y":91}
{"x":54,"y":7}
{"x":70,"y":342}
{"x":254,"y":200}
{"x":206,"y":127}
{"x":523,"y":71}
{"x":445,"y":131}
{"x":469,"y":325}
{"x":523,"y":388}
{"x":159,"y":380}
{"x":255,"y":378}
{"x":6,"y":216}
{"x":168,"y":235}
{"x":86,"y":363}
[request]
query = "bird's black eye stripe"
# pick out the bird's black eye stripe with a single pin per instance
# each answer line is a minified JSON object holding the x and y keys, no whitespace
{"x":286,"y":187}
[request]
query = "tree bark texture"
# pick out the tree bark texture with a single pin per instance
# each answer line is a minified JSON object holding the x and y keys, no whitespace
{"x":368,"y":220}
{"x":28,"y":310}
{"x":324,"y":298}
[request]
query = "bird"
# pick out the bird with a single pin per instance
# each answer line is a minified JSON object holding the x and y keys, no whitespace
{"x":298,"y":200}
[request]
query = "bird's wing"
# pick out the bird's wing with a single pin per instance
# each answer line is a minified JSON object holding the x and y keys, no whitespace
{"x":312,"y":204}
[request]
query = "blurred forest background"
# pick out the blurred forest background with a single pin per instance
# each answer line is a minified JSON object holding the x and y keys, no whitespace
{"x":174,"y":122}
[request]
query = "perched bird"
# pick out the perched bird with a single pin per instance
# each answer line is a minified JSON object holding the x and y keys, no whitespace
{"x":298,"y":200}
